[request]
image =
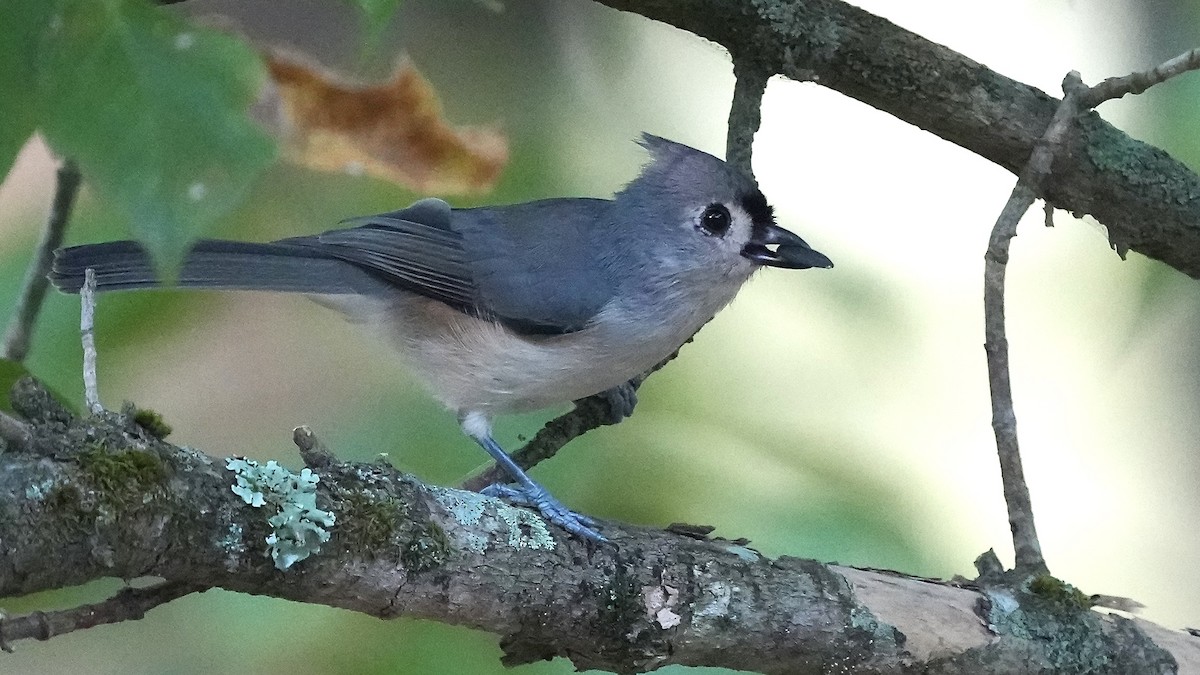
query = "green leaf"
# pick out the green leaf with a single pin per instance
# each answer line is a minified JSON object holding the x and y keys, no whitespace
{"x":154,"y":111}
{"x":23,"y":26}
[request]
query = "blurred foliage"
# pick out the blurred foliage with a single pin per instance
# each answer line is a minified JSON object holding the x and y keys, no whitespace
{"x":376,"y":15}
{"x":21,"y":29}
{"x":151,"y":106}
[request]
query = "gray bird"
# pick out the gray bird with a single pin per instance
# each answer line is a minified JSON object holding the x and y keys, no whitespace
{"x":508,"y":309}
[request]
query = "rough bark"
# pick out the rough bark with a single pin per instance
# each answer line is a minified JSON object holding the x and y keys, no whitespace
{"x":103,"y":497}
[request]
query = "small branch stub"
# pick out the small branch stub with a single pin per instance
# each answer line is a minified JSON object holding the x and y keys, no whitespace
{"x":314,"y":453}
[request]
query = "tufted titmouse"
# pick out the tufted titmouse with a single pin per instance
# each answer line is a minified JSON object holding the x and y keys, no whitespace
{"x":514,"y":308}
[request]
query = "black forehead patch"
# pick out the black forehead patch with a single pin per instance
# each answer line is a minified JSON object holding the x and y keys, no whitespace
{"x":755,"y":204}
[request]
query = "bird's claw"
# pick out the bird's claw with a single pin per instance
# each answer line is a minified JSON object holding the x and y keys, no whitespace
{"x":621,"y":401}
{"x":552,"y":510}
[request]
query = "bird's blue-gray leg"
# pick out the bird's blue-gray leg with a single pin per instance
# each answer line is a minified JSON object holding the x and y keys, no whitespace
{"x":525,"y":491}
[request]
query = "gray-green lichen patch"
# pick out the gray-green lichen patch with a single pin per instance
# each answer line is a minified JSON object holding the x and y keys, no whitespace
{"x":712,"y":606}
{"x":747,"y":554}
{"x":38,"y":491}
{"x":714,"y":600}
{"x":233,"y":545}
{"x":1142,"y":165}
{"x":524,"y":528}
{"x":1067,"y":636}
{"x":297,"y":526}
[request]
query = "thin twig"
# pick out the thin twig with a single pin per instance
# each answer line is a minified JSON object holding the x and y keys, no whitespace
{"x":87,"y":330}
{"x":1077,"y":97}
{"x":1136,"y":83}
{"x":33,"y":289}
{"x":14,"y":432}
{"x":130,"y":604}
{"x":1004,"y":421}
{"x":596,"y":410}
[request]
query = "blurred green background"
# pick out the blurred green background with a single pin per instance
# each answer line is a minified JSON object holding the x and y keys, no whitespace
{"x":838,"y":415}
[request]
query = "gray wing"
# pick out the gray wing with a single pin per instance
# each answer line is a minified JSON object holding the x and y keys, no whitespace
{"x":413,"y":248}
{"x":540,"y":267}
{"x":533,"y":267}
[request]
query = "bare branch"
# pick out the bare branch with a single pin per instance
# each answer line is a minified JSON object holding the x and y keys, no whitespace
{"x":33,"y":289}
{"x":1136,"y":83}
{"x":1004,"y":420}
{"x":316,"y":456}
{"x":130,"y":604}
{"x":87,"y":330}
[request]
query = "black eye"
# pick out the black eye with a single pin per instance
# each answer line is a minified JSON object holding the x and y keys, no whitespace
{"x":715,"y":220}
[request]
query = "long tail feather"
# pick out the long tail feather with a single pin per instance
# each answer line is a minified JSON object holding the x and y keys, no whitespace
{"x":229,"y":265}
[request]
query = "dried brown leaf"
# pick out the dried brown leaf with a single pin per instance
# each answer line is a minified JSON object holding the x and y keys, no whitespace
{"x":393,"y":130}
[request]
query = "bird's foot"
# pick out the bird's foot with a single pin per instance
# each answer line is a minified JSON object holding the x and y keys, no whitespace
{"x":536,"y":497}
{"x":621,"y":401}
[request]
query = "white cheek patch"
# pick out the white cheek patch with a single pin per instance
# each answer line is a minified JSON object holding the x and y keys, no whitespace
{"x":742,"y":229}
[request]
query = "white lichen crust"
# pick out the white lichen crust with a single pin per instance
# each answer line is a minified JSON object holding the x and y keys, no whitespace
{"x":525,"y":529}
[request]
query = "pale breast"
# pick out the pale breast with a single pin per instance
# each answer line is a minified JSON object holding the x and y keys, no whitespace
{"x":470,"y":364}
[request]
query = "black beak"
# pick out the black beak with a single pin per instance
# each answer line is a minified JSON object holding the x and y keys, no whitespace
{"x":791,"y":251}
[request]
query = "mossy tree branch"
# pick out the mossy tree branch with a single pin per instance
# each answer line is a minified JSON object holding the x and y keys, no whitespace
{"x":121,"y":503}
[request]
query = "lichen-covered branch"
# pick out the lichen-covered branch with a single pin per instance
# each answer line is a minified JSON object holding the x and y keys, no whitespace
{"x":1149,"y":202}
{"x":103,"y":497}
